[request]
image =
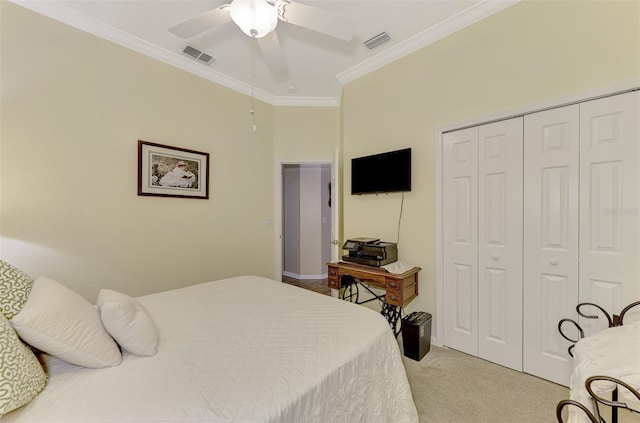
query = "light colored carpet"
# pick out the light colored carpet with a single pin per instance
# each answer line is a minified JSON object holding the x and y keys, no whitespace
{"x":451,"y":387}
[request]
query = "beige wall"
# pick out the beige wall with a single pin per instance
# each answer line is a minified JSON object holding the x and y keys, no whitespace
{"x":528,"y":53}
{"x":73,"y":109}
{"x":302,"y":135}
{"x":306,"y":134}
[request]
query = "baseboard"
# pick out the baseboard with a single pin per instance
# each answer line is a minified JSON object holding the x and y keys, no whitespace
{"x":304,"y":277}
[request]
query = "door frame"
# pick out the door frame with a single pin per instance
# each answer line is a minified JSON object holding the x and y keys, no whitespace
{"x":279,"y":214}
{"x":605,"y":91}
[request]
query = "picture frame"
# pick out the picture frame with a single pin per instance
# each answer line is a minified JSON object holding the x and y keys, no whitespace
{"x":168,"y":171}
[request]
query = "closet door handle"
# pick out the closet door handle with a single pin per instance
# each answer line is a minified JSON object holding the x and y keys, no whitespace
{"x":553,"y":262}
{"x":495,"y":257}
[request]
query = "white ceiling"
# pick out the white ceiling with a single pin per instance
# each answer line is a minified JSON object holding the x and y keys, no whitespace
{"x":317,"y":65}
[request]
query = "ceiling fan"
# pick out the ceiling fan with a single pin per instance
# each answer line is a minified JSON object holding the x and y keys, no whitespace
{"x":259,"y":18}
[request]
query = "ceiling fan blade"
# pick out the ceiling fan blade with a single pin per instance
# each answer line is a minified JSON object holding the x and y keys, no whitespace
{"x":272,"y":52}
{"x":316,"y":19}
{"x":202,"y":23}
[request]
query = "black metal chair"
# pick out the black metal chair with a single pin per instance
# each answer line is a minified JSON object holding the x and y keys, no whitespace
{"x":613,"y":321}
{"x":567,"y":402}
{"x":614,"y":403}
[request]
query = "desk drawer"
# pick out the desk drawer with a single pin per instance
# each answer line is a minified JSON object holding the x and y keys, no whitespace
{"x":401,"y":296}
{"x":333,"y":271}
{"x":394,"y":298}
{"x":393,"y":284}
{"x":333,"y":281}
{"x":366,"y":276}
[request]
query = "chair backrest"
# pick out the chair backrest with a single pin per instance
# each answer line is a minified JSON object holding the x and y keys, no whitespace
{"x":566,"y":403}
{"x":614,"y":403}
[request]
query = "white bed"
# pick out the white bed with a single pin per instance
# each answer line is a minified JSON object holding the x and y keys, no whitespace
{"x":245,"y":349}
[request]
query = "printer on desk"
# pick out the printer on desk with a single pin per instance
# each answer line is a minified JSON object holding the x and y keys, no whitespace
{"x":370,"y":251}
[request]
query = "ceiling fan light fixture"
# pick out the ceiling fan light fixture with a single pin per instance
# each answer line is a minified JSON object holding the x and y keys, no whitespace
{"x":256,"y":18}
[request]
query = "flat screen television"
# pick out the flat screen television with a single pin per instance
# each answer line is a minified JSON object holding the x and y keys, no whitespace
{"x":380,"y":173}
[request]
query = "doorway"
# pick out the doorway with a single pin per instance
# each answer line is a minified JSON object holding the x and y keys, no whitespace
{"x":306,"y":221}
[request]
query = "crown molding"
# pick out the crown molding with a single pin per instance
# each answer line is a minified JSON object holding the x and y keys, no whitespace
{"x":305,"y":101}
{"x":67,"y":15}
{"x":441,"y":30}
{"x":608,"y":90}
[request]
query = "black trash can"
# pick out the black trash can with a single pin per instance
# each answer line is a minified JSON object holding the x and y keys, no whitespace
{"x":416,"y":335}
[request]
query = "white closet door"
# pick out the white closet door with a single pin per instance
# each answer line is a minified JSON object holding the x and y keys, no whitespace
{"x":500,"y":243}
{"x":459,"y":235}
{"x":550,"y":239}
{"x":609,"y":229}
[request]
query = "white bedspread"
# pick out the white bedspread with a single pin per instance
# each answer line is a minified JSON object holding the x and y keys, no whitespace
{"x":245,"y":349}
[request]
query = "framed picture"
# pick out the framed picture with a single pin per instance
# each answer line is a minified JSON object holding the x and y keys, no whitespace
{"x":172,"y":172}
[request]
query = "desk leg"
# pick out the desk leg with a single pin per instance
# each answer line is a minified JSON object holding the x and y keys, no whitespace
{"x":351,"y":293}
{"x":392,"y":314}
{"x":350,"y":290}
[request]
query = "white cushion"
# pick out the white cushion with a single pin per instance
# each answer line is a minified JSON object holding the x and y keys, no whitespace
{"x":128,"y":322}
{"x":60,"y":322}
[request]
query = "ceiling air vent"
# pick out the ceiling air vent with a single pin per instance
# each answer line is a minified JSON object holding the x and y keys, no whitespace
{"x":198,"y":55}
{"x":373,"y":42}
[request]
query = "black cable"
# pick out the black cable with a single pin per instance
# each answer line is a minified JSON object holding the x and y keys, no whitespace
{"x":398,"y":241}
{"x":400,"y":218}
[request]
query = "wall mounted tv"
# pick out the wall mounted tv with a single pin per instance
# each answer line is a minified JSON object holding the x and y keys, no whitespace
{"x":381,"y":173}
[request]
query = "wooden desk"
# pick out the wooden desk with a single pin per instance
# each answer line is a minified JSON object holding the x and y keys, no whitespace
{"x":400,"y":288}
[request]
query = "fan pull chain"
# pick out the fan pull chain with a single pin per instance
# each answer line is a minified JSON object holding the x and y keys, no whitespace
{"x":252,"y":111}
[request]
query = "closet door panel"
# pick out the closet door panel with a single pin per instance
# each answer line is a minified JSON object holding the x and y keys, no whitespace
{"x":500,"y":242}
{"x":550,"y":239}
{"x":609,"y":181}
{"x":459,"y":234}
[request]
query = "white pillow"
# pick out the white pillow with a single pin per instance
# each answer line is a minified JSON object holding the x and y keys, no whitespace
{"x":128,"y":322}
{"x":60,"y":322}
